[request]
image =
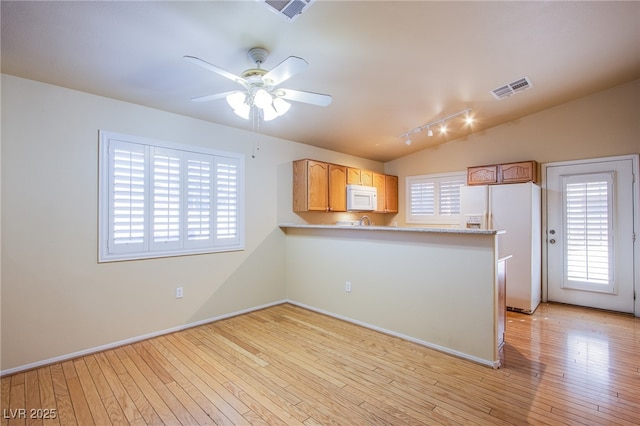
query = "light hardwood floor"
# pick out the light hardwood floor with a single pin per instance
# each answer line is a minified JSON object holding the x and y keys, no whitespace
{"x":287,"y":365}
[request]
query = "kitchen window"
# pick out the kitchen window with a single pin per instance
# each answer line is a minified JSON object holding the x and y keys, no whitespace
{"x":434,"y":198}
{"x":160,"y":199}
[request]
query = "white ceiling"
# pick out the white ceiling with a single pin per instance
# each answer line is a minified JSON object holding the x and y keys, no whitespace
{"x":390,"y":66}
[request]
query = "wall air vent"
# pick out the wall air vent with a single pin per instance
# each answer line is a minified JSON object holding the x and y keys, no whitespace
{"x":512,"y":88}
{"x":289,"y":9}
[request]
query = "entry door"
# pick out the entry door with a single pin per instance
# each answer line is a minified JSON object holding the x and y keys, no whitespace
{"x":590,"y":247}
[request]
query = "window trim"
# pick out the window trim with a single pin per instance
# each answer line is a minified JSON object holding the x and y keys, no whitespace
{"x":435,"y":219}
{"x":146,"y":250}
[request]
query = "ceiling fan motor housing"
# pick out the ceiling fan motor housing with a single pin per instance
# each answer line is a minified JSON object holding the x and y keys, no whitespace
{"x":258,"y":55}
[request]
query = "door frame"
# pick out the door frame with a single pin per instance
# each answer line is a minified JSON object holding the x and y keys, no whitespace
{"x":635,"y":159}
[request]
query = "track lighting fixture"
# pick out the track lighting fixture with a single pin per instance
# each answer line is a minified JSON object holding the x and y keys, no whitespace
{"x":441,"y":121}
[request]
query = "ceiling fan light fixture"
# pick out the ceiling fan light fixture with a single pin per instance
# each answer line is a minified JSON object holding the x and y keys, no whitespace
{"x":244,"y":111}
{"x":262,"y":99}
{"x":236,"y":100}
{"x":281,"y":106}
{"x":260,"y":86}
{"x":269,"y":113}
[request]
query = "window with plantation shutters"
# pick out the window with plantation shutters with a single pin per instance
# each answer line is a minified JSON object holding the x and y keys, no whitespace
{"x":434,"y":199}
{"x":588,"y":231}
{"x":161,"y":199}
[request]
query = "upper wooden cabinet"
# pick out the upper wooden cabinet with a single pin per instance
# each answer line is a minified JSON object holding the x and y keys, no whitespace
{"x":391,"y":194}
{"x":322,"y":187}
{"x":359,"y":177}
{"x":525,"y":171}
{"x":319,"y":186}
{"x":337,"y":188}
{"x":482,"y":175}
{"x":387,"y":187}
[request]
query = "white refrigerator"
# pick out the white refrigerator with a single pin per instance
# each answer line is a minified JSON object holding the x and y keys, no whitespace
{"x":516,"y":208}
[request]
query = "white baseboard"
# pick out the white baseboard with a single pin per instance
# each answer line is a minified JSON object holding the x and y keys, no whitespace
{"x":492,"y":364}
{"x":113,"y":345}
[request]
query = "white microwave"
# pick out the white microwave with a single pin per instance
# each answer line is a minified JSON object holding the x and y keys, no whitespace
{"x":362,"y":198}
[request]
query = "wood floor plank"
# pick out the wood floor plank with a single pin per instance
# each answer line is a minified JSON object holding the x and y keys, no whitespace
{"x":32,"y":395}
{"x":63,"y":400}
{"x":120,"y":395}
{"x":563,"y":365}
{"x":47,"y":397}
{"x":98,"y":411}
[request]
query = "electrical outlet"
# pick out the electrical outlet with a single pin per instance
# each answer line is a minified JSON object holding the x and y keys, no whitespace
{"x":347,"y":287}
{"x":179,"y":293}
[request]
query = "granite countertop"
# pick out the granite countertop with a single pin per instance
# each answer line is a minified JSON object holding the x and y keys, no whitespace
{"x":396,"y":229}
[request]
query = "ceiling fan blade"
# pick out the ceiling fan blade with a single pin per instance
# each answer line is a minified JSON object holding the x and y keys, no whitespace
{"x":286,"y":69}
{"x":213,"y":97}
{"x":306,"y":97}
{"x":216,"y":69}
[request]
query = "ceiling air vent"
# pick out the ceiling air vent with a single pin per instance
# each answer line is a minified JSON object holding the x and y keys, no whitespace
{"x":512,"y":88}
{"x":290,"y":9}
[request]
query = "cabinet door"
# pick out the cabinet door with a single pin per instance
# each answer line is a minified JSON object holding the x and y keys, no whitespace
{"x":519,"y":172}
{"x":391,"y":194}
{"x":379,"y":183}
{"x":317,"y":186}
{"x":337,"y":188}
{"x":482,"y":175}
{"x":366,"y":178}
{"x":353,"y":176}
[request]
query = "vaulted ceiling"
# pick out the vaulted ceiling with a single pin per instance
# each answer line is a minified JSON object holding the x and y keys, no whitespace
{"x":391,"y":66}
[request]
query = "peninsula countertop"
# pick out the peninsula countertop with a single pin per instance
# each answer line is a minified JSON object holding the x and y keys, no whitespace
{"x":395,"y":229}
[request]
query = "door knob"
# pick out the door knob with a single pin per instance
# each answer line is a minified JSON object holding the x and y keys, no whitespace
{"x":552,"y":241}
{"x":553,"y":231}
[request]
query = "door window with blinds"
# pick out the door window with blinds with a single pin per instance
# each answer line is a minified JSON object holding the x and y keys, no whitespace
{"x":434,"y":199}
{"x":162,"y":199}
{"x":588,"y":229}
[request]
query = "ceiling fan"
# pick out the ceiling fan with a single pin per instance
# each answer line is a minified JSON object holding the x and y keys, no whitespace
{"x":260,"y":87}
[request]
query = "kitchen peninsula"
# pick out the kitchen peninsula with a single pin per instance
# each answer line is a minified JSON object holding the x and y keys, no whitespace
{"x":442,"y":288}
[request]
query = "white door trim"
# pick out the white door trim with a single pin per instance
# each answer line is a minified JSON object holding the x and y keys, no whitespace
{"x":635,"y":158}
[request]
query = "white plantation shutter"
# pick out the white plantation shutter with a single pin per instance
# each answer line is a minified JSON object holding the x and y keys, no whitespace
{"x":161,"y":199}
{"x":588,"y":233}
{"x":127,"y":173}
{"x":434,"y":199}
{"x":449,"y":196}
{"x":166,"y":201}
{"x":227,"y":193}
{"x":423,"y":198}
{"x":199,"y":199}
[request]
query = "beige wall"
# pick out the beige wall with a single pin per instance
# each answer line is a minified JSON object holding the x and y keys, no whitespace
{"x":604,"y":124}
{"x":56,"y":299}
